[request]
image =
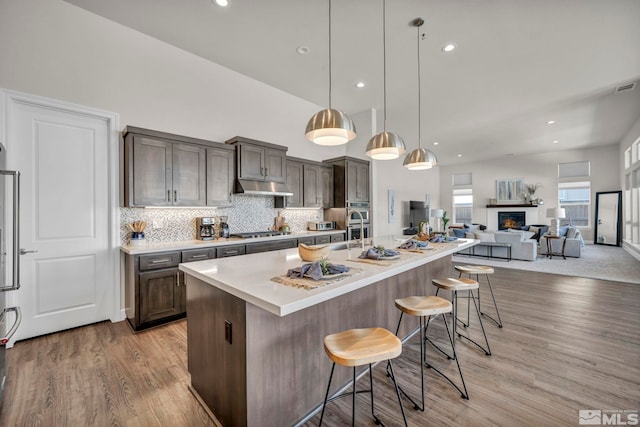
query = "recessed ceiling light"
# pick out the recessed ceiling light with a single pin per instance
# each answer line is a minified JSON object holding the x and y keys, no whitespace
{"x":550,"y":122}
{"x":360,"y":84}
{"x":459,"y":155}
{"x":436,"y":143}
{"x":223,"y":3}
{"x":555,"y":141}
{"x":303,"y":50}
{"x":449,"y":47}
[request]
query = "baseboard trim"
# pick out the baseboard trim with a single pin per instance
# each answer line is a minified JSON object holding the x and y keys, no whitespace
{"x":204,"y":406}
{"x":633,"y":250}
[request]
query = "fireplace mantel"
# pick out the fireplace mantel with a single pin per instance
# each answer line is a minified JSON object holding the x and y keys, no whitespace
{"x":512,"y":206}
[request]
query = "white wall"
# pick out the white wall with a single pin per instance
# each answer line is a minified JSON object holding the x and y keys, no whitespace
{"x":541,"y":168}
{"x":54,"y":49}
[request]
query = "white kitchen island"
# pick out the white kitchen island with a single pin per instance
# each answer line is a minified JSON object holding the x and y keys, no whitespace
{"x":255,"y":349}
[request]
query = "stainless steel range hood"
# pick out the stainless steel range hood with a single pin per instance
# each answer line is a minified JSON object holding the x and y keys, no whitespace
{"x":264,"y":188}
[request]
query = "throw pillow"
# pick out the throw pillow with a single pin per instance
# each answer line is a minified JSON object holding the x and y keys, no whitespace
{"x":563,"y":230}
{"x":536,"y":231}
{"x":486,"y":237}
{"x":571,"y":233}
{"x":472,"y":226}
{"x":526,"y":235}
{"x":471,"y":235}
{"x":459,"y":232}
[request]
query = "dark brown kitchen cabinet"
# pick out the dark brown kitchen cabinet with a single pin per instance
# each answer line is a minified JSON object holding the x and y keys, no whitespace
{"x":338,"y":237}
{"x":154,"y":289}
{"x":326,"y":178}
{"x":351,"y":180}
{"x":220,"y":172}
{"x":259,"y":160}
{"x":323,"y":240}
{"x":162,"y":169}
{"x":308,"y":240}
{"x":230,"y":250}
{"x":295,"y":178}
{"x":254,"y":248}
{"x":312,"y":186}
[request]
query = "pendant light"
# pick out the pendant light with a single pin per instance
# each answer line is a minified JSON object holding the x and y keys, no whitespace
{"x":330,"y":126}
{"x":385,"y":145}
{"x":420,"y":158}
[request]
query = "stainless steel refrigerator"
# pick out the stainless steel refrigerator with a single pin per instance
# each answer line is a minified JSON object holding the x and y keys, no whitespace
{"x":9,"y":249}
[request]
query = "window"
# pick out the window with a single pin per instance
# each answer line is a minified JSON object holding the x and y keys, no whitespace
{"x":462,"y":205}
{"x":575,"y":198}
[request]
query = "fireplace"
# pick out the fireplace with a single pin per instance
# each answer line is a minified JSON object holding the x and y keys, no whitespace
{"x":511,"y":220}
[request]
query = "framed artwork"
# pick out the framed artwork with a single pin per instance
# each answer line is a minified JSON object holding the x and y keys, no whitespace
{"x":510,"y":190}
{"x":392,"y":206}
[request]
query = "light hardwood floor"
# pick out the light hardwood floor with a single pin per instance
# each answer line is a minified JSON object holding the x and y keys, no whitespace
{"x":568,"y":344}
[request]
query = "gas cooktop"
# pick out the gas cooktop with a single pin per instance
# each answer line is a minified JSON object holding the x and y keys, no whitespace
{"x":255,"y":234}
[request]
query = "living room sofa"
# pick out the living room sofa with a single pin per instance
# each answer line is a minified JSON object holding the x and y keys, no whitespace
{"x":523,"y":247}
{"x":573,"y":245}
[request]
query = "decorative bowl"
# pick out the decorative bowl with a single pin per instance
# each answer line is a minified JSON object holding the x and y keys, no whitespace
{"x":312,"y":253}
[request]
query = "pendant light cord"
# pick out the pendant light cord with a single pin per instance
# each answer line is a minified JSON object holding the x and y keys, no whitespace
{"x":419,"y":88}
{"x":329,"y":54}
{"x":384,"y":60}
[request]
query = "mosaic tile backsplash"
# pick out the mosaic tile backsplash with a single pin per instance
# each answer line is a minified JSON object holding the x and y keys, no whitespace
{"x":248,"y":213}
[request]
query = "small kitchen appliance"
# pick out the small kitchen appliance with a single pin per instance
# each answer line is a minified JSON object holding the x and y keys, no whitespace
{"x":320,"y":226}
{"x":224,"y":227}
{"x":205,"y":229}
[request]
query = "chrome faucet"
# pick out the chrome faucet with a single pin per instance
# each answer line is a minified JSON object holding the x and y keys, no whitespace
{"x":361,"y":225}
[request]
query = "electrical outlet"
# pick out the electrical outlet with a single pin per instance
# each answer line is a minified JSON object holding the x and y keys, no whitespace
{"x":157,"y":223}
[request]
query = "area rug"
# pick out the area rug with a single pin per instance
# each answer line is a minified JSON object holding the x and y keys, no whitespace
{"x":597,"y":262}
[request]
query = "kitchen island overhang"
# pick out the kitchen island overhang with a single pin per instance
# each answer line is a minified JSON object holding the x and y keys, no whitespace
{"x":252,"y":365}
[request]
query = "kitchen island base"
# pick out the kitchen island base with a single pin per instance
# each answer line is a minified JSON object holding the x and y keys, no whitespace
{"x":253,"y":368}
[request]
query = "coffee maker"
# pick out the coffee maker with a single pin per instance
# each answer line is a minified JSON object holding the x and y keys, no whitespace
{"x":205,"y":228}
{"x":223,"y":226}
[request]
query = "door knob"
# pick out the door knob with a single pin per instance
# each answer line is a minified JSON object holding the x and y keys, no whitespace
{"x":23,"y":251}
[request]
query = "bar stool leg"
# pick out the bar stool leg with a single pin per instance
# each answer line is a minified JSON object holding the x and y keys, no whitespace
{"x":326,"y":396}
{"x":499,"y":321}
{"x":487,"y":350}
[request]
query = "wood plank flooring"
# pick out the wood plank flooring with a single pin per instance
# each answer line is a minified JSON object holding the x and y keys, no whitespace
{"x":567,"y":344}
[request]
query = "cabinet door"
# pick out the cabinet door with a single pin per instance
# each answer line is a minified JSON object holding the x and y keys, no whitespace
{"x":306,"y":240}
{"x":189,"y":175}
{"x":312,"y":187}
{"x":275,"y":163}
{"x":250,"y":162}
{"x":161,"y":295}
{"x":219,"y":177}
{"x":362,"y":182}
{"x":152,"y":172}
{"x":322,"y":240}
{"x":231,"y":250}
{"x":337,"y":237}
{"x":254,"y":248}
{"x":294,"y":182}
{"x":357,"y":182}
{"x":326,"y":179}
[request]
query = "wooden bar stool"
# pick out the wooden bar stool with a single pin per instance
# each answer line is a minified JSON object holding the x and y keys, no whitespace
{"x":424,"y":307}
{"x":470,"y":270}
{"x":357,"y":347}
{"x":456,"y":286}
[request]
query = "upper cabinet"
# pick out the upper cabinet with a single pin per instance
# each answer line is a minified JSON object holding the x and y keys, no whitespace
{"x":220,"y":173}
{"x":311,"y":184}
{"x":162,"y":169}
{"x":351,"y":180}
{"x":260,"y":160}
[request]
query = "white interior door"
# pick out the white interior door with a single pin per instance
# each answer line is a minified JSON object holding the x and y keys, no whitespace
{"x":66,"y":266}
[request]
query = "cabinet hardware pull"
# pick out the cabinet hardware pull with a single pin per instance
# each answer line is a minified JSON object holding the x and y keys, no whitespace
{"x":175,"y":195}
{"x":177,"y":278}
{"x":168,"y":195}
{"x":232,"y":252}
{"x":266,"y":171}
{"x":160,"y":261}
{"x":199,"y":256}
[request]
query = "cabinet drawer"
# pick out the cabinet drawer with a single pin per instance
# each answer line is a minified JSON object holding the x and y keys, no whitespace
{"x":254,"y":248}
{"x":198,"y":254}
{"x":337,"y":237}
{"x":306,"y":240}
{"x":231,"y":250}
{"x":156,"y":261}
{"x":321,"y":240}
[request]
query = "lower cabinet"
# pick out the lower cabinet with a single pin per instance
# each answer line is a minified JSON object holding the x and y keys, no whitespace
{"x":254,"y":248}
{"x":162,"y":295}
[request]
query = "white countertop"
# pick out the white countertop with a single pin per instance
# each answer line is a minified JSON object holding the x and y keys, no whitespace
{"x":248,"y":276}
{"x":149,"y":247}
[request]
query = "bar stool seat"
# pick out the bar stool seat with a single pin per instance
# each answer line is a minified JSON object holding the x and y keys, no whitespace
{"x":357,"y":347}
{"x":470,"y":270}
{"x":423,"y":306}
{"x":455,"y":286}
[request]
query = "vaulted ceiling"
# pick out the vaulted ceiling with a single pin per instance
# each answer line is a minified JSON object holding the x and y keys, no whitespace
{"x":518,"y":64}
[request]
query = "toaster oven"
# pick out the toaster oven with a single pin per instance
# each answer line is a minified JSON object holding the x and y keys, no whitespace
{"x":320,"y":226}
